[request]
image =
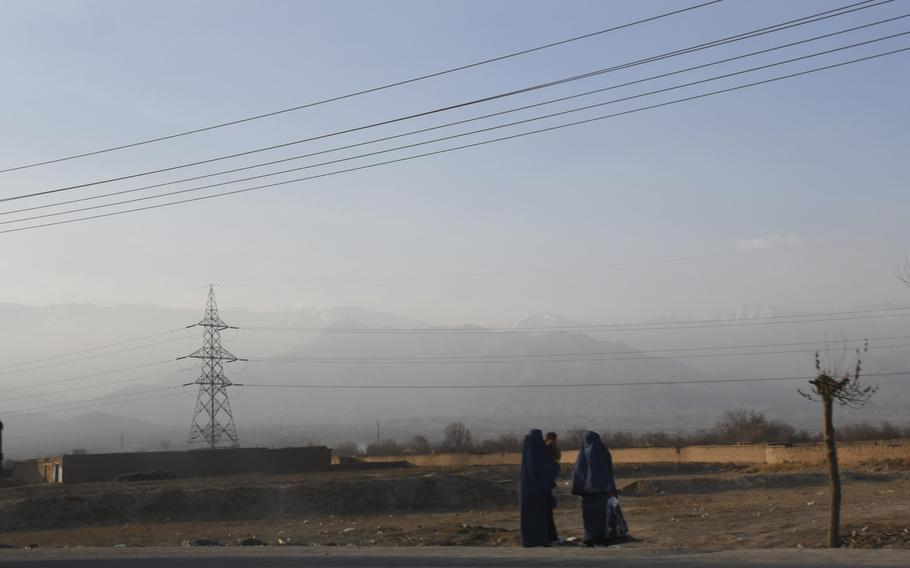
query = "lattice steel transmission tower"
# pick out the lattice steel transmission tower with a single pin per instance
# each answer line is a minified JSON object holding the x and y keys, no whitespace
{"x":213,"y":423}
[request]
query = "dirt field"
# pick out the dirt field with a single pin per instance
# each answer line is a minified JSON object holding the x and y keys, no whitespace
{"x":691,"y":507}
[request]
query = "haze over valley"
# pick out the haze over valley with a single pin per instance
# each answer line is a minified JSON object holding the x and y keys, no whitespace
{"x":359,"y":347}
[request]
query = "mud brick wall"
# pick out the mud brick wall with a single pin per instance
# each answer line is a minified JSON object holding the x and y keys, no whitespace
{"x":847,"y":452}
{"x":807,"y":454}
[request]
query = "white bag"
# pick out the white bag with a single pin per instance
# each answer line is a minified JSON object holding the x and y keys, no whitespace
{"x":617,"y":529}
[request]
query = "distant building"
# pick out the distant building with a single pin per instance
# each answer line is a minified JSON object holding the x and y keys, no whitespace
{"x":49,"y":470}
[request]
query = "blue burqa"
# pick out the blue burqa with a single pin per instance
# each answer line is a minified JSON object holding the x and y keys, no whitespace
{"x":593,"y":480}
{"x":538,"y":476}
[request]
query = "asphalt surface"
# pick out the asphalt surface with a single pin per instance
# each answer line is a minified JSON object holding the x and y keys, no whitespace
{"x":320,"y":557}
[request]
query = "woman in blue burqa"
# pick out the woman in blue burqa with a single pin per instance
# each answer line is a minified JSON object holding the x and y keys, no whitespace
{"x":538,"y":477}
{"x":593,"y":481}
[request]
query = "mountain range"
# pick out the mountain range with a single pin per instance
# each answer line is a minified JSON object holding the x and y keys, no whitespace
{"x":360,"y":353}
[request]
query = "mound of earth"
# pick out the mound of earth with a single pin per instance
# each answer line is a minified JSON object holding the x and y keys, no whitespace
{"x":705,"y":485}
{"x":479,"y":535}
{"x":417,"y":493}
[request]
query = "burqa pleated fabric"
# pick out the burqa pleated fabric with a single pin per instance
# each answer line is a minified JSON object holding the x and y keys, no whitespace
{"x":538,"y":476}
{"x":593,"y":481}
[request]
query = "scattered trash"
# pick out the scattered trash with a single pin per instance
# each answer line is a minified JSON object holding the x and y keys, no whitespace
{"x":250,"y":541}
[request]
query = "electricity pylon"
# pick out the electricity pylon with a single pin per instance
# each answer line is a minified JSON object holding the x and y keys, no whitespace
{"x":213,"y":423}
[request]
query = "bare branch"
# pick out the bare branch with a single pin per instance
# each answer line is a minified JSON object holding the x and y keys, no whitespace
{"x":839,"y":385}
{"x":902,"y":272}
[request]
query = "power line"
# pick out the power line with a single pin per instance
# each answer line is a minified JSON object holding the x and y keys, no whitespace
{"x":535,"y":360}
{"x":641,"y":326}
{"x":453,"y":136}
{"x":83,"y":377}
{"x":560,"y":357}
{"x":447,"y":125}
{"x":643,"y":351}
{"x":628,"y":383}
{"x":107,"y":384}
{"x":95,"y":356}
{"x":738,"y":37}
{"x":528,"y":357}
{"x":105,"y":401}
{"x":466,"y":146}
{"x":370,"y":90}
{"x":90,"y":349}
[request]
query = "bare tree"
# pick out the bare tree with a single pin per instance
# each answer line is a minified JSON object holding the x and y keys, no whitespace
{"x":573,"y":439}
{"x":420,"y":444}
{"x":903,"y":272}
{"x":747,"y":426}
{"x":457,"y":438}
{"x":832,"y":384}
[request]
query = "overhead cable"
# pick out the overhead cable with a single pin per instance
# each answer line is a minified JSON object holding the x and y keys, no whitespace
{"x":596,"y":356}
{"x":17,"y":369}
{"x":738,"y":37}
{"x":96,"y":385}
{"x":94,"y":402}
{"x":366,"y":91}
{"x":462,"y":147}
{"x":448,"y":125}
{"x":90,"y":349}
{"x":84,"y":377}
{"x":624,"y":383}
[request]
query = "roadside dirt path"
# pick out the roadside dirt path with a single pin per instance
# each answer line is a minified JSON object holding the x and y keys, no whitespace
{"x":719,"y":510}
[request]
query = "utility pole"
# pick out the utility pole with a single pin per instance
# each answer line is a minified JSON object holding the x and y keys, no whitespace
{"x":213,"y":423}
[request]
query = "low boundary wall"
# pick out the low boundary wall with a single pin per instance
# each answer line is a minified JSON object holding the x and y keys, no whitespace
{"x":806,"y":454}
{"x":197,"y":463}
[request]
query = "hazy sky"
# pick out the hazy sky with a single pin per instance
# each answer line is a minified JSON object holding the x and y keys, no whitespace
{"x":817,"y":159}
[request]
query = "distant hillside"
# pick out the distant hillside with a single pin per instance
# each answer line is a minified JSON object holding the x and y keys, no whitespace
{"x":298,"y":415}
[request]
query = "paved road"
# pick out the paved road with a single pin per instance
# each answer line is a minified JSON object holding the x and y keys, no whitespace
{"x":321,"y":557}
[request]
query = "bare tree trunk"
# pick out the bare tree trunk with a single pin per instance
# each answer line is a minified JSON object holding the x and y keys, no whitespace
{"x":833,"y":476}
